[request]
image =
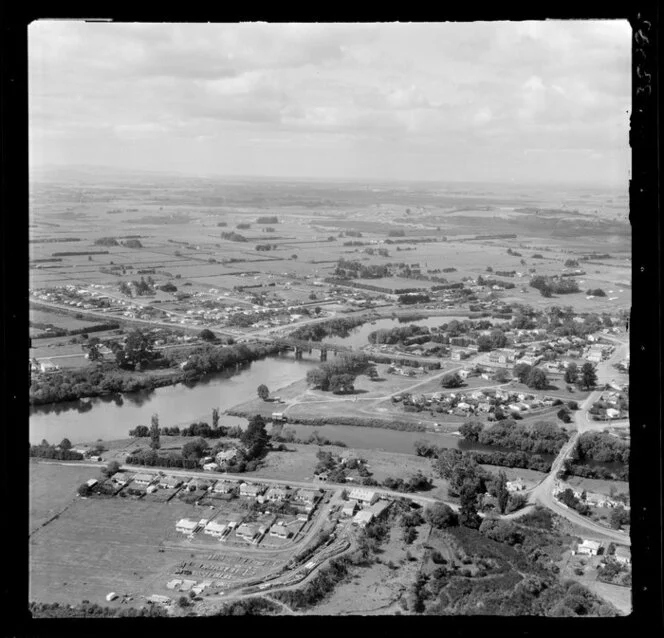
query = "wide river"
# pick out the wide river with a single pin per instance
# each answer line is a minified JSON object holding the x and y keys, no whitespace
{"x":111,"y":418}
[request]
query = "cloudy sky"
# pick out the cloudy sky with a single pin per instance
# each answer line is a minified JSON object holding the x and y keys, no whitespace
{"x":515,"y":102}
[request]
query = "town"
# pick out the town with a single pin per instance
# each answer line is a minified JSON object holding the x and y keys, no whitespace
{"x":364,"y":395}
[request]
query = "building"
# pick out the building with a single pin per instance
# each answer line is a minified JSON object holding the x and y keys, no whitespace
{"x":224,"y":487}
{"x":623,"y":555}
{"x":247,"y":532}
{"x":186,"y":526}
{"x":349,"y":508}
{"x":213,"y":528}
{"x":277,"y":494}
{"x":120,"y":478}
{"x":250,"y":490}
{"x":278,"y":416}
{"x":308,"y":497}
{"x":280,"y":531}
{"x":591,"y":548}
{"x":91,"y":482}
{"x":363,"y":495}
{"x":170,"y":482}
{"x":226,"y":456}
{"x":143,"y":479}
{"x":198,"y":484}
{"x":379,"y":507}
{"x":211,"y":467}
{"x":515,"y":486}
{"x":363,"y":518}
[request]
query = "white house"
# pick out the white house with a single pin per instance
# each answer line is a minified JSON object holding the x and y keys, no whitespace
{"x":363,"y":495}
{"x":363,"y":518}
{"x":591,"y":548}
{"x":623,"y":555}
{"x":186,"y":526}
{"x":251,"y":491}
{"x":143,"y":479}
{"x":213,"y":528}
{"x":211,"y":467}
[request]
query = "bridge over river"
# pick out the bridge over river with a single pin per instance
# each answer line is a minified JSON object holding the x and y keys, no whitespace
{"x":300,"y":346}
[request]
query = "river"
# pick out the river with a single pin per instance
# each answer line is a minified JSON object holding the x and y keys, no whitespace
{"x":112,"y":417}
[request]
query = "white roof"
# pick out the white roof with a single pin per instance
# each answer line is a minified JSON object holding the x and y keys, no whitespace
{"x":364,"y":515}
{"x":591,"y":544}
{"x":186,"y":523}
{"x":214,"y":526}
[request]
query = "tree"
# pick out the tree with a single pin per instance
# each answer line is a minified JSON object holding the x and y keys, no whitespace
{"x":263,"y":392}
{"x":255,"y":438}
{"x":619,"y":517}
{"x":563,"y":415}
{"x":340,"y":383}
{"x":137,"y":351}
{"x":215,"y":418}
{"x":84,"y":489}
{"x":501,"y":375}
{"x":154,"y":433}
{"x":65,"y":444}
{"x":521,"y":371}
{"x":372,"y":373}
{"x":293,"y":256}
{"x":440,"y":516}
{"x":194,"y":449}
{"x":468,"y":515}
{"x":112,"y":468}
{"x":451,"y":380}
{"x":537,"y":379}
{"x":471,"y":430}
{"x":588,"y":376}
{"x":502,"y":493}
{"x":207,"y":335}
{"x":571,"y":373}
{"x":93,"y":348}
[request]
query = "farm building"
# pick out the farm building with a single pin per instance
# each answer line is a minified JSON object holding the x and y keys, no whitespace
{"x":379,"y":507}
{"x":349,"y":508}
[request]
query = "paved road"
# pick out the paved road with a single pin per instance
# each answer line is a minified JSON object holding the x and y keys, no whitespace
{"x":543,"y":493}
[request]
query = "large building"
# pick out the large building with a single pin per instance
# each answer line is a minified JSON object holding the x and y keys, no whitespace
{"x":363,"y":495}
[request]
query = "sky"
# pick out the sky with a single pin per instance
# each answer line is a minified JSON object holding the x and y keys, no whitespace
{"x":532,"y":102}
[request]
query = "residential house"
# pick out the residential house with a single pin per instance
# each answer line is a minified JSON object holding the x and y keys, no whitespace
{"x":363,"y":518}
{"x":246,"y":531}
{"x":623,"y":555}
{"x":214,"y":528}
{"x":379,"y":507}
{"x":224,"y":487}
{"x":308,"y":497}
{"x":143,"y":479}
{"x":280,"y":531}
{"x":363,"y":495}
{"x":251,"y":490}
{"x":591,"y":548}
{"x":186,"y":526}
{"x":349,"y":508}
{"x":198,"y":484}
{"x":170,"y":482}
{"x":515,"y":486}
{"x":277,"y":494}
{"x":91,"y":482}
{"x":226,"y":456}
{"x":211,"y":467}
{"x":120,"y":478}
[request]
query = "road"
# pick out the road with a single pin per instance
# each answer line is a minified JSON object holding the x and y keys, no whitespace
{"x":543,"y":492}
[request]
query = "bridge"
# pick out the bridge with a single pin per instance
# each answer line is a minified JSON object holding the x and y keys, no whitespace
{"x":300,"y":346}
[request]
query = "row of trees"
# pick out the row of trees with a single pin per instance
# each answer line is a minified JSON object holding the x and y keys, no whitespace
{"x":553,"y":285}
{"x":542,"y":437}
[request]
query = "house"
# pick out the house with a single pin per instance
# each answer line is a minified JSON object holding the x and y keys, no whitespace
{"x":308,"y":497}
{"x":211,"y":467}
{"x":612,"y":413}
{"x":515,"y":486}
{"x":250,"y":490}
{"x":213,"y":528}
{"x":143,"y":479}
{"x":226,"y":456}
{"x":278,"y":416}
{"x":186,"y":526}
{"x":349,"y":508}
{"x":277,"y":494}
{"x":120,"y":478}
{"x":198,"y":484}
{"x":323,"y":476}
{"x":223,"y":487}
{"x":363,"y":495}
{"x":363,"y":518}
{"x":170,"y":482}
{"x":280,"y":531}
{"x":591,"y":548}
{"x":247,"y":532}
{"x":91,"y":482}
{"x":623,"y":555}
{"x":458,"y":355}
{"x":379,"y":507}
{"x":48,"y":366}
{"x":151,"y":489}
{"x":594,"y":356}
